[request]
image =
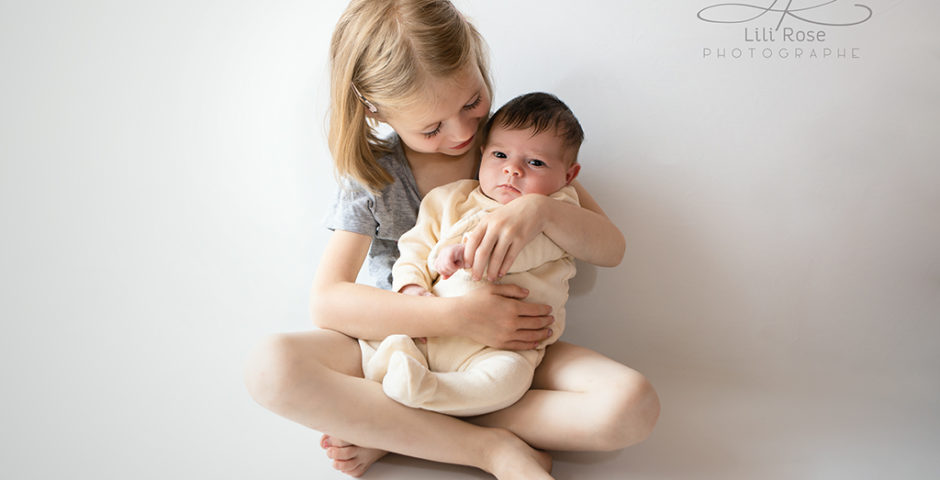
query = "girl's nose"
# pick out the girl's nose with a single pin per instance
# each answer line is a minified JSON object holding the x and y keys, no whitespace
{"x":466,"y":127}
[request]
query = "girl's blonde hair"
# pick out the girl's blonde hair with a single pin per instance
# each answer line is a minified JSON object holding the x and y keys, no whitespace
{"x":381,"y":54}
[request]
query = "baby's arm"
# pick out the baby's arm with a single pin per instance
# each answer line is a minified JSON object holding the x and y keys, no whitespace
{"x":414,"y":247}
{"x":583,"y":231}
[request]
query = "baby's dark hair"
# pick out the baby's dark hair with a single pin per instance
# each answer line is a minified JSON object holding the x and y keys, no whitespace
{"x":539,"y":111}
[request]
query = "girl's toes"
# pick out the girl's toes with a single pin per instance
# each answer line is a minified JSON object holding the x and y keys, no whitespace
{"x":349,"y":467}
{"x":342,"y":453}
{"x":327,"y":441}
{"x":358,"y":471}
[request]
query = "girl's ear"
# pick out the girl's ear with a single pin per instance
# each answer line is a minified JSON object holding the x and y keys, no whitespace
{"x":572,"y":173}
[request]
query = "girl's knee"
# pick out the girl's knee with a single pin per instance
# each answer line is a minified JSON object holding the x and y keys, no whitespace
{"x":634,"y":410}
{"x":271,"y":369}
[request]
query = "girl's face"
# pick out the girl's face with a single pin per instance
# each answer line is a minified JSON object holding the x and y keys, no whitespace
{"x":446,"y":119}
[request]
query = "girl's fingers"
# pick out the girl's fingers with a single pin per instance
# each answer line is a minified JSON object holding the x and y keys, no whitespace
{"x":528,"y":311}
{"x":471,"y":243}
{"x":515,"y":345}
{"x":511,"y":291}
{"x":509,"y":259}
{"x":496,"y":262}
{"x":482,"y":255}
{"x":530,"y":336}
{"x":534,"y":324}
{"x":528,"y":339}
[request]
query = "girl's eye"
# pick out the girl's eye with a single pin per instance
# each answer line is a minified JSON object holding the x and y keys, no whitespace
{"x":469,"y":106}
{"x":473,"y":105}
{"x":499,"y":154}
{"x":536,"y":163}
{"x":433,"y":133}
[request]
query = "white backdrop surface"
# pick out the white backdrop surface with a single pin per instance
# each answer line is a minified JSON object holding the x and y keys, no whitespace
{"x":165,"y":173}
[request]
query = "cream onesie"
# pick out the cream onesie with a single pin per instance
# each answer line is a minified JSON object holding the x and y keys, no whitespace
{"x":455,"y":375}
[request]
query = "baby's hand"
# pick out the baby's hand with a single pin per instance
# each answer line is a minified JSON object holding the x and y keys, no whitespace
{"x":416,"y":290}
{"x":449,"y":260}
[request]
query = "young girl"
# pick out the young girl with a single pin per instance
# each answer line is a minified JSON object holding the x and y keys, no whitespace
{"x":420,"y":67}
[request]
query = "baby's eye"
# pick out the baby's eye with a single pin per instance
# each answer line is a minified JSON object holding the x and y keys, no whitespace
{"x":499,"y":154}
{"x":536,"y":163}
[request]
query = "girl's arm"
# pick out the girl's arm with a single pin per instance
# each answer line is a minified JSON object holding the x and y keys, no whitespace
{"x":585,"y":232}
{"x":493,"y":315}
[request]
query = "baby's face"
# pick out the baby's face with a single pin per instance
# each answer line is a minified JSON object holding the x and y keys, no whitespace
{"x":516,"y":162}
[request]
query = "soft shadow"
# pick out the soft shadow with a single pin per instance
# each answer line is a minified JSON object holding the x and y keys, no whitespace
{"x":584,"y":281}
{"x":394,"y":466}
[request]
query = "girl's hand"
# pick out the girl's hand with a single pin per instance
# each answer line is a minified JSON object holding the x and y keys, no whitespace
{"x":495,"y":315}
{"x":495,"y":243}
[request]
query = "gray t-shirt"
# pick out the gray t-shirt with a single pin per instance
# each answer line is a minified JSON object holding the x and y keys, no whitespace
{"x":384,"y":216}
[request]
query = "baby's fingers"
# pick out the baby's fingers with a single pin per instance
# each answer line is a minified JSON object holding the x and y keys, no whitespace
{"x":459,"y":258}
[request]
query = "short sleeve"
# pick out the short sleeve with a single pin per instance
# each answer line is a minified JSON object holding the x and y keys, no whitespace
{"x":382,"y":216}
{"x":353,"y":210}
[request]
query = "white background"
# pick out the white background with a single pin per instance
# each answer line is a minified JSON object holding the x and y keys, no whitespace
{"x":164,"y":177}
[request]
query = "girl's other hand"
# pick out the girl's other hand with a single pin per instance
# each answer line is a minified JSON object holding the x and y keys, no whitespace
{"x":495,"y":243}
{"x":495,"y":315}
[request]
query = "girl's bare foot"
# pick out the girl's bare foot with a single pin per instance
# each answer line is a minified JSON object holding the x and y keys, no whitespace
{"x":512,"y":459}
{"x":348,"y":458}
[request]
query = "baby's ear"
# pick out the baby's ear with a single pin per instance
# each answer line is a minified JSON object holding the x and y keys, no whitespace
{"x":572,"y":173}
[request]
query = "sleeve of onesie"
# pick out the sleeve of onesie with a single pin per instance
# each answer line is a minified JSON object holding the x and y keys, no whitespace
{"x":415,"y":245}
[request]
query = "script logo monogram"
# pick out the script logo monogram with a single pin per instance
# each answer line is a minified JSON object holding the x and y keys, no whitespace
{"x":743,"y":13}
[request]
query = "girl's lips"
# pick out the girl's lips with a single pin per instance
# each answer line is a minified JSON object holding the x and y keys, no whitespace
{"x":465,"y":144}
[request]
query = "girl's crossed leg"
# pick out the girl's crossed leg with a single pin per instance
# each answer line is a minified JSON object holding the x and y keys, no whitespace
{"x":315,"y":379}
{"x":581,"y":401}
{"x":608,"y":407}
